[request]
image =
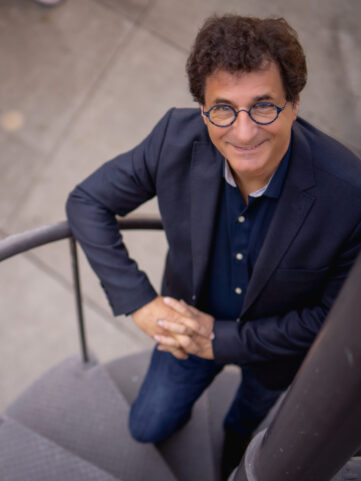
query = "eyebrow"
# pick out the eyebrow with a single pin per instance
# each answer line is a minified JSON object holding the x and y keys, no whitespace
{"x":259,"y":98}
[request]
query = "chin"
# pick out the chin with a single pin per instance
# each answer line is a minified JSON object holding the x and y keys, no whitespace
{"x":247,"y":164}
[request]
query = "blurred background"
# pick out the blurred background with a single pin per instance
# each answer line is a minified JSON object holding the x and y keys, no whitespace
{"x":86,"y":80}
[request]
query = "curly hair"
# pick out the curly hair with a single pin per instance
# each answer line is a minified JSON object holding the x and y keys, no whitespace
{"x":234,"y":43}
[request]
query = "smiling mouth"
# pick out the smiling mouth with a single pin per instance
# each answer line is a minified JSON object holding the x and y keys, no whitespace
{"x":248,"y":149}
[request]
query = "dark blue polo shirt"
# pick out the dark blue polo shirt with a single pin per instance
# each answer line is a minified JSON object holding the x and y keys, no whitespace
{"x":239,"y":235}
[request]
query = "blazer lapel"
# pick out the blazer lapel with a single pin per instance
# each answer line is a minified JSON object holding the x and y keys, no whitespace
{"x":206,"y":177}
{"x":294,"y":205}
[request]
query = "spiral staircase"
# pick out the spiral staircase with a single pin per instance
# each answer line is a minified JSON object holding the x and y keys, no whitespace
{"x":71,"y":424}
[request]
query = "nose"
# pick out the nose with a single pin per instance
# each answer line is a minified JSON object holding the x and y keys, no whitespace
{"x":244,"y":127}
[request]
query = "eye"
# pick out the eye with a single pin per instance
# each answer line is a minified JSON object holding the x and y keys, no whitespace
{"x":221,"y":112}
{"x":263,"y":112}
{"x":222,"y":109}
{"x":222,"y":115}
{"x":263,"y":107}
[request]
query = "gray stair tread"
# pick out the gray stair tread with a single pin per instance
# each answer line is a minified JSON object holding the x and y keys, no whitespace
{"x":27,"y":456}
{"x":79,"y":408}
{"x":193,"y":452}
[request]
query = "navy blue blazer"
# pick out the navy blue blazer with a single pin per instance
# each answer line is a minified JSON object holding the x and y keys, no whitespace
{"x":313,"y":239}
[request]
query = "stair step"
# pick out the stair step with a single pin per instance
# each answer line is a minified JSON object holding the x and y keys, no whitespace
{"x":194,"y":452}
{"x":25,"y":455}
{"x":79,"y":408}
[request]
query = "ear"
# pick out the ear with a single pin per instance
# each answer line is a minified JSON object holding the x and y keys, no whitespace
{"x":205,"y":120}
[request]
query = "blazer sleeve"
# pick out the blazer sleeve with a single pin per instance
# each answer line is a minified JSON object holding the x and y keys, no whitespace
{"x":117,"y":188}
{"x":287,"y":335}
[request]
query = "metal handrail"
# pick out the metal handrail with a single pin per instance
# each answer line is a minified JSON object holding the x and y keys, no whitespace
{"x":321,"y":412}
{"x":25,"y":241}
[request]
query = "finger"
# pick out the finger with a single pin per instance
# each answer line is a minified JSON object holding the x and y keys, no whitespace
{"x":167,"y":340}
{"x":195,"y":326}
{"x":193,"y":310}
{"x":175,"y":327}
{"x":181,"y":325}
{"x":190,"y":326}
{"x":188,"y":344}
{"x":179,"y":341}
{"x":178,"y":306}
{"x":178,"y":353}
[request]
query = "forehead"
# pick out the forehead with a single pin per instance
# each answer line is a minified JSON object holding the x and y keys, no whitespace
{"x":244,"y":87}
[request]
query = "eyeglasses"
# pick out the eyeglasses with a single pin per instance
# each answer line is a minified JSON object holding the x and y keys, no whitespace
{"x":262,"y":113}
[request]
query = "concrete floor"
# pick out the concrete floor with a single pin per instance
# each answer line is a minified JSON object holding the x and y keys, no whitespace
{"x":86,"y":80}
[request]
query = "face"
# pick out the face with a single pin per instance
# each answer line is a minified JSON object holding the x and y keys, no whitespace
{"x":253,"y":151}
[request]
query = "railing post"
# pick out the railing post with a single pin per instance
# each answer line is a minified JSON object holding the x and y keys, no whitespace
{"x":78,"y":299}
{"x":318,"y":426}
{"x":25,"y":241}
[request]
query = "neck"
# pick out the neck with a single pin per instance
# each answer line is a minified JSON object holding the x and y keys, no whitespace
{"x":247,"y":186}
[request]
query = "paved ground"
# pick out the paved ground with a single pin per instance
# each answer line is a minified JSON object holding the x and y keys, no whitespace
{"x":86,"y":80}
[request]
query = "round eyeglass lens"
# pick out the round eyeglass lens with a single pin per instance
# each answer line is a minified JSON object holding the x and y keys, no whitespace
{"x":263,"y":113}
{"x":222,"y":115}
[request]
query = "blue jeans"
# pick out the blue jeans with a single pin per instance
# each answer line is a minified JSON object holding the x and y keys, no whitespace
{"x":171,"y":387}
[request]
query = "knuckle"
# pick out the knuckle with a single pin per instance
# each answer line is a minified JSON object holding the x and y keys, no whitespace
{"x":196,"y":326}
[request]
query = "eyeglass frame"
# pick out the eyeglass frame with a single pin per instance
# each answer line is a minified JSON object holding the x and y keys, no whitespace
{"x":236,"y":112}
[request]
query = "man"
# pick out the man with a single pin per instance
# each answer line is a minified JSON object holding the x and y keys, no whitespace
{"x":262,"y":214}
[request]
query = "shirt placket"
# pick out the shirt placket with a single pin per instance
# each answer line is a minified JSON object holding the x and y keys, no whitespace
{"x":239,"y":251}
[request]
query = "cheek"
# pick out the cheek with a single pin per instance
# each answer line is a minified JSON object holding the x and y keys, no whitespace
{"x":279,"y":140}
{"x":280,"y":132}
{"x":216,"y":137}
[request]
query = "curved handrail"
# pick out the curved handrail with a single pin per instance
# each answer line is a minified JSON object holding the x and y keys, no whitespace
{"x":25,"y":241}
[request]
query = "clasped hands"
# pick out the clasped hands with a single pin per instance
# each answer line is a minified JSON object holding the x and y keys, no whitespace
{"x":177,"y":327}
